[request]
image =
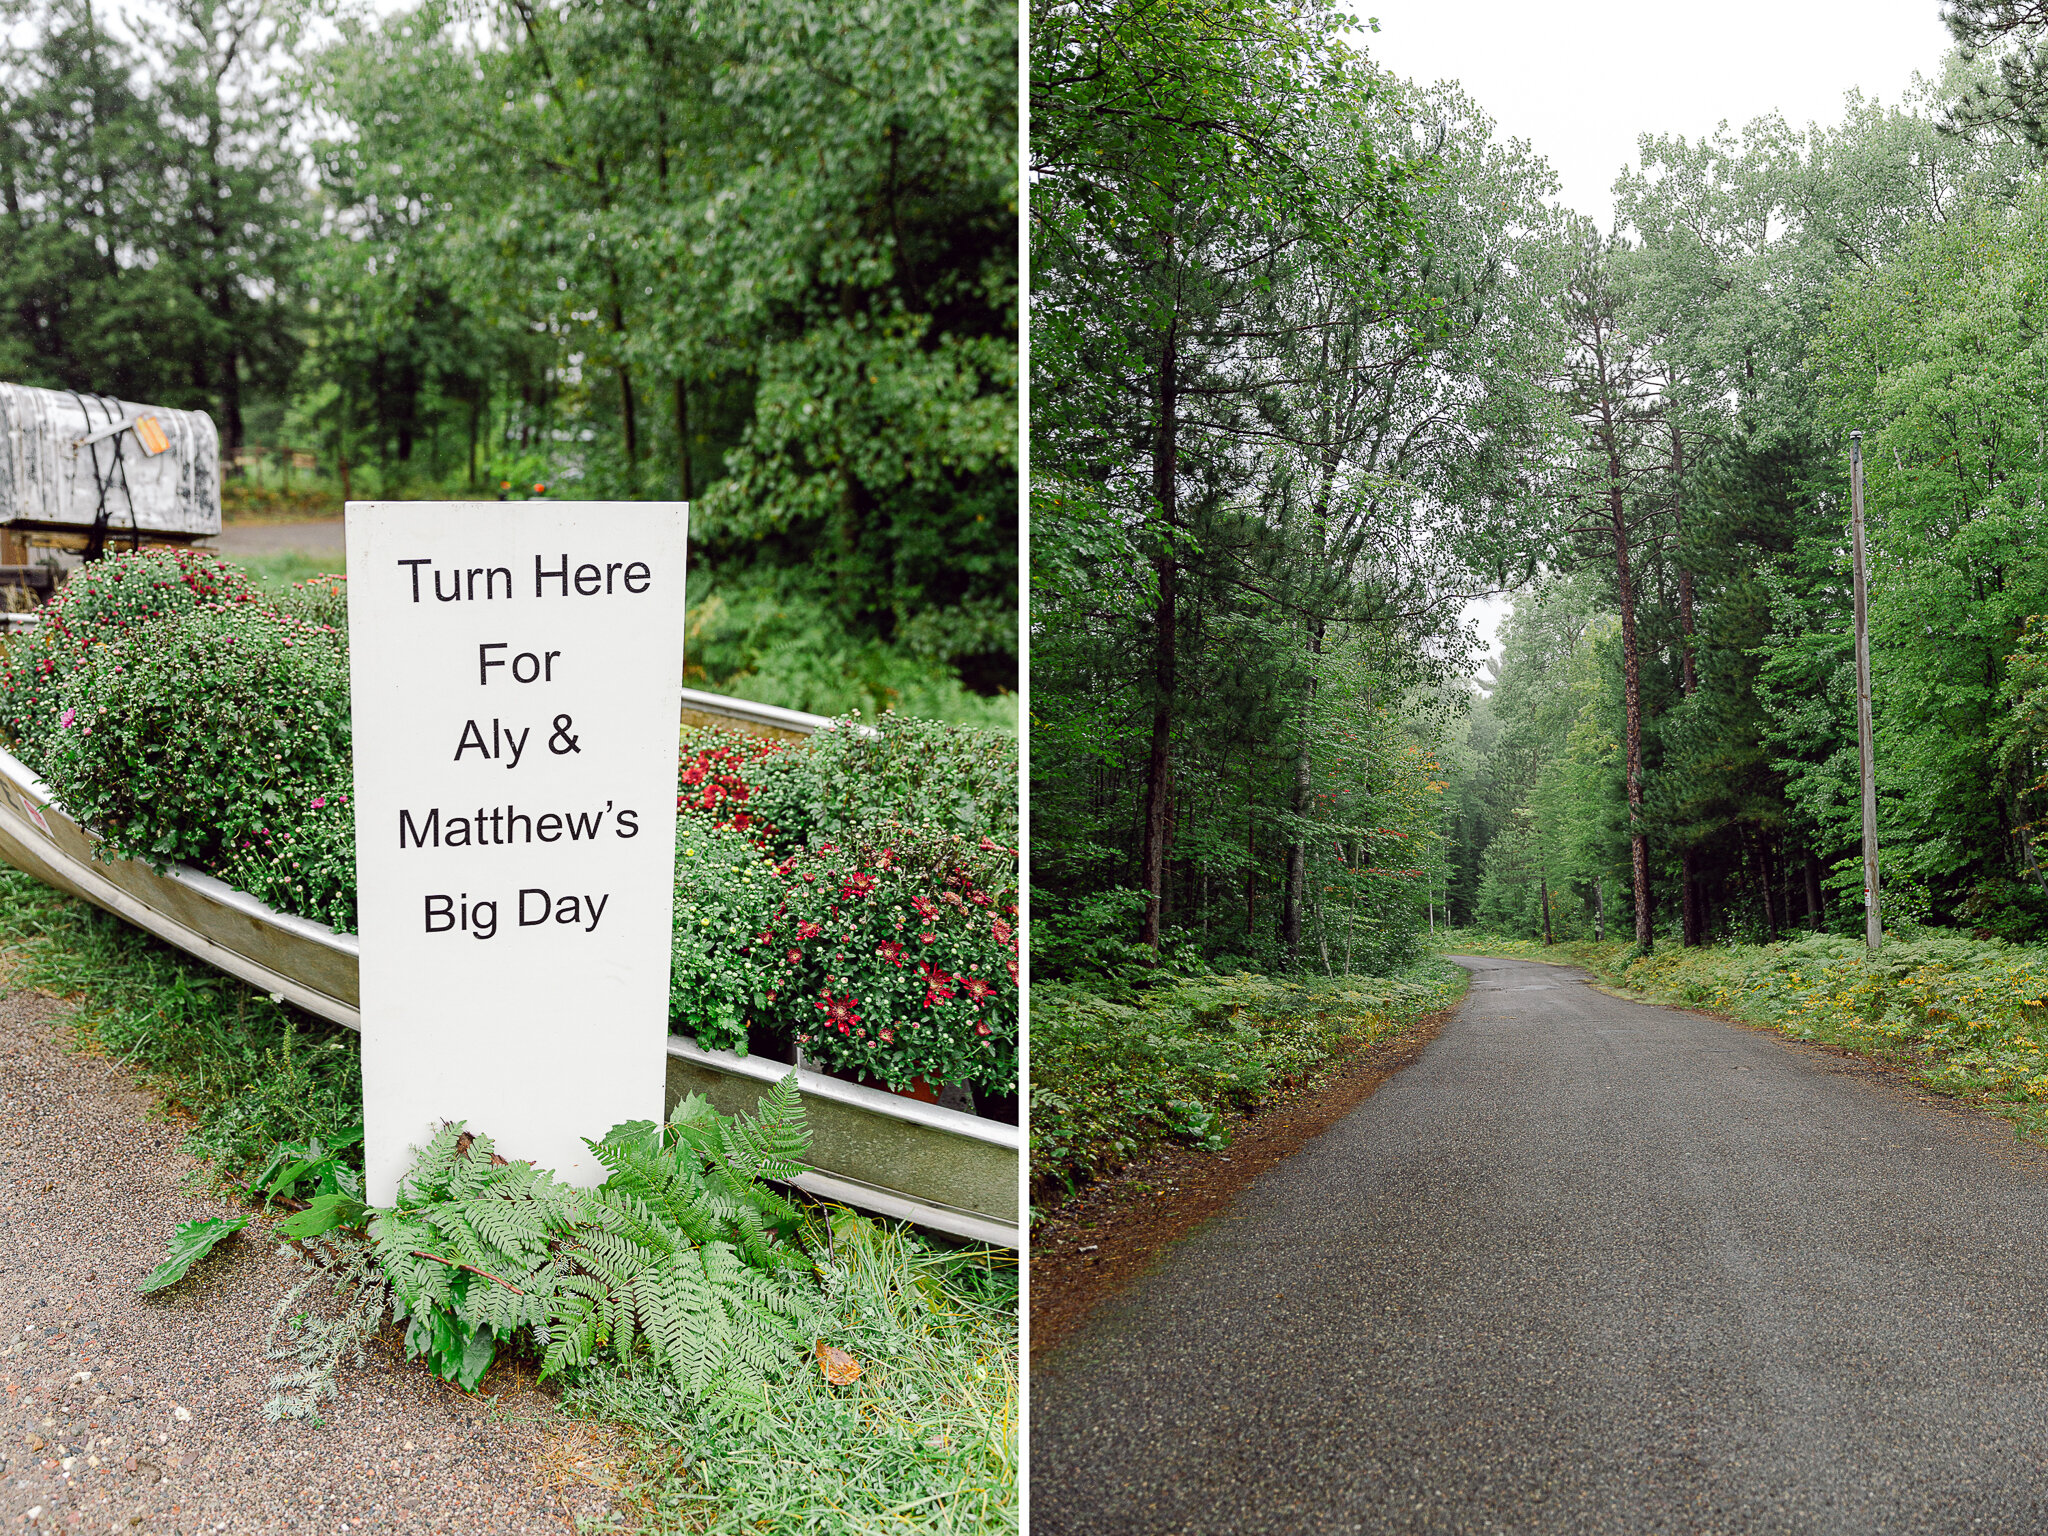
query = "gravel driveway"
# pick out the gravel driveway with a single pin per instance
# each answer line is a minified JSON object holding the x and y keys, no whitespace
{"x":315,"y":538}
{"x":144,"y":1415}
{"x":1588,"y":1265}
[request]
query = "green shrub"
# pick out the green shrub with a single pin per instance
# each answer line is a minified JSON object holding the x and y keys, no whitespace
{"x":888,"y":950}
{"x":302,"y":859}
{"x":683,"y":1248}
{"x":186,"y":734}
{"x":893,"y":958}
{"x":953,"y":777}
{"x":98,"y":603}
{"x":727,"y":895}
{"x":1110,"y":1077}
{"x":901,"y":957}
{"x":321,"y":601}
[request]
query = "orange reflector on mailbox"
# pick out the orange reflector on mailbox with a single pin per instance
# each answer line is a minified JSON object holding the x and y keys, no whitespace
{"x":152,"y":434}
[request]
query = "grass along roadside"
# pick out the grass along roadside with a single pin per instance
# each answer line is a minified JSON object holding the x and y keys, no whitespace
{"x":924,"y":1440}
{"x":1117,"y":1070}
{"x":1961,"y":1016}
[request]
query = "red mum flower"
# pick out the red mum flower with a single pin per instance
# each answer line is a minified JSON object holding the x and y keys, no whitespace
{"x":890,"y":951}
{"x":807,"y":931}
{"x":795,"y":955}
{"x":858,"y":884}
{"x":925,"y":909}
{"x":982,"y":1030}
{"x":975,"y":988}
{"x":1011,"y":967}
{"x":841,"y":1013}
{"x":1002,"y":931}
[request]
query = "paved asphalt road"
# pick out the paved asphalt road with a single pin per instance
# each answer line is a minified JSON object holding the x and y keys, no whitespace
{"x":1587,"y":1265}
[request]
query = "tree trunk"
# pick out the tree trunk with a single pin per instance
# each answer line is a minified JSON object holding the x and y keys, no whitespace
{"x":1165,"y":473}
{"x":341,"y":445}
{"x":1297,"y":844}
{"x":1544,"y":885}
{"x":1632,"y":695}
{"x":1687,"y":680}
{"x":1599,"y":911}
{"x":683,"y":435}
{"x":1763,"y":880}
{"x":1690,"y":878}
{"x":630,"y":418}
{"x":1251,"y":858}
{"x":1813,"y":912}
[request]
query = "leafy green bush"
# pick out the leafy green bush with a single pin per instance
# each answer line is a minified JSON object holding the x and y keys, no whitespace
{"x":902,"y":958}
{"x":892,"y":959}
{"x":321,"y":601}
{"x":1109,"y":1077}
{"x":924,"y":1440}
{"x":1095,"y":935}
{"x":302,"y":859}
{"x":721,"y":976}
{"x":921,"y":772}
{"x":189,"y":733}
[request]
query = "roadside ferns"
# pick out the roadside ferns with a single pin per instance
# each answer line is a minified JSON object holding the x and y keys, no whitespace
{"x":682,"y":1248}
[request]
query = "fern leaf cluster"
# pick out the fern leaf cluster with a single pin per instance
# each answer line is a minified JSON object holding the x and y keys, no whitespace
{"x":312,"y":1347}
{"x":683,"y":1248}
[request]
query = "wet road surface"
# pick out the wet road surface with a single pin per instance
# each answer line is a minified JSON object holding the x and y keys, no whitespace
{"x":1588,"y":1266}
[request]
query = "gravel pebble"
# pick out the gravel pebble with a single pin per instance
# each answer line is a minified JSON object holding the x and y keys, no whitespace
{"x":145,"y":1415}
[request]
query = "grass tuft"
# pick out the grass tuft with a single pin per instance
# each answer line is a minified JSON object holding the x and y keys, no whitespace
{"x":925,"y":1440}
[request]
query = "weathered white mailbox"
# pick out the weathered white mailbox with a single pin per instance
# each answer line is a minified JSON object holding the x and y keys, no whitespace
{"x":93,"y":467}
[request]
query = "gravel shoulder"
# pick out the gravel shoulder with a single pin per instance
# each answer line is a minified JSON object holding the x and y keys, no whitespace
{"x":1587,"y":1265}
{"x":144,"y":1415}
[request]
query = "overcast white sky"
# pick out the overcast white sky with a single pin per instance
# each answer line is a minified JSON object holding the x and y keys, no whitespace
{"x":1580,"y":79}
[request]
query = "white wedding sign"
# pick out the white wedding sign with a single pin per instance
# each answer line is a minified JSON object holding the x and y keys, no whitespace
{"x":514,"y":669}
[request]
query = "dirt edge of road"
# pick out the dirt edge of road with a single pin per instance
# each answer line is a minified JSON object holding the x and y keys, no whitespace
{"x":1095,"y":1244}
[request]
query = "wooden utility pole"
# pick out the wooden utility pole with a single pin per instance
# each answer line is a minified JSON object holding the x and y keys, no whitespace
{"x":1599,"y":912}
{"x":1872,"y":928}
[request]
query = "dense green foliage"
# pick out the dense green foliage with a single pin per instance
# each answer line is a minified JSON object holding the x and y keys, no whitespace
{"x":185,"y":737}
{"x":682,"y":1249}
{"x":1113,"y":1074}
{"x":1777,"y":291}
{"x":762,"y":257}
{"x":927,"y":1439}
{"x":1288,"y":350}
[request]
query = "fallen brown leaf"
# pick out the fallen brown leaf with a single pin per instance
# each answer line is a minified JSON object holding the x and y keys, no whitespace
{"x":840,"y":1368}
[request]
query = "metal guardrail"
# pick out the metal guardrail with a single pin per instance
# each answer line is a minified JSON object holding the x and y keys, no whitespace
{"x":884,"y":1152}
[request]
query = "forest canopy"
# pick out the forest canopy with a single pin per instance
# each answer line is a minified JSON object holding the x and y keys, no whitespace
{"x":1319,"y":359}
{"x":759,"y":256}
